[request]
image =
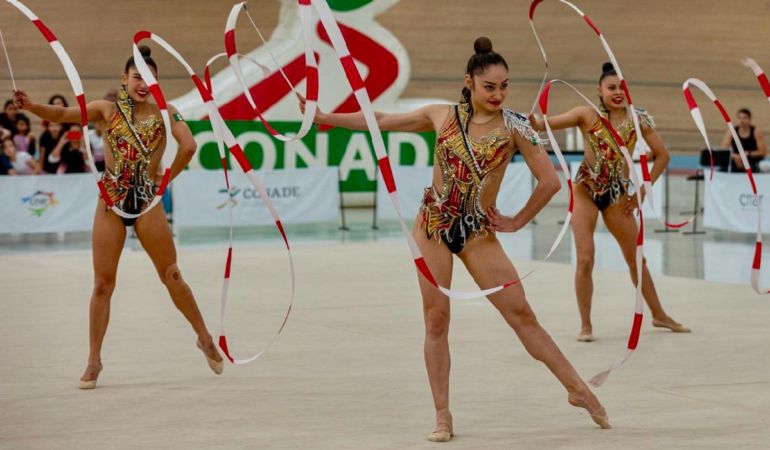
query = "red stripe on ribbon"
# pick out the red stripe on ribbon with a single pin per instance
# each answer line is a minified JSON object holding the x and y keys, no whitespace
{"x":544,"y":99}
{"x":532,"y":8}
{"x":571,"y":197}
{"x":223,"y":346}
{"x":207,"y":77}
{"x":312,"y":83}
{"x":230,"y":42}
{"x":279,"y":225}
{"x":592,"y":25}
{"x":205,"y":92}
{"x":636,"y":329}
{"x":164,"y":183}
{"x":49,"y":36}
{"x":142,"y":35}
{"x":158,"y":95}
{"x":722,"y":110}
{"x":351,"y":71}
{"x":757,"y":256}
{"x":83,"y":109}
{"x":751,"y":180}
{"x":640,"y":235}
{"x":645,"y":169}
{"x":689,"y":98}
{"x":229,"y":260}
{"x":625,"y":89}
{"x":105,"y":195}
{"x":423,"y":268}
{"x":762,"y":78}
{"x":387,"y":174}
{"x":304,"y":2}
{"x":236,"y":151}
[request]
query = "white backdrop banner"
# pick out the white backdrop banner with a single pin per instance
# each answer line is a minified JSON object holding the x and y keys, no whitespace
{"x":300,"y":196}
{"x":47,"y":203}
{"x":657,"y":190}
{"x":730,"y":206}
{"x":412,"y":181}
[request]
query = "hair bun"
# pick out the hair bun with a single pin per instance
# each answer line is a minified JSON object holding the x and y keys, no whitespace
{"x":482,"y":45}
{"x":608,"y":67}
{"x":145,"y":51}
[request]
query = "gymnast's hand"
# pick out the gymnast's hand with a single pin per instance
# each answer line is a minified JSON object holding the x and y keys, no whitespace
{"x":21,"y":100}
{"x":318,"y":119}
{"x":499,"y":222}
{"x":630,"y":206}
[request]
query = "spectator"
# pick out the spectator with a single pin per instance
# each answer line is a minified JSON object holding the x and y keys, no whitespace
{"x":48,"y":141}
{"x":6,"y":168}
{"x":58,"y":100}
{"x":21,"y":162}
{"x":752,"y":140}
{"x":69,"y":152}
{"x":23,"y":139}
{"x":96,"y":139}
{"x":9,"y":116}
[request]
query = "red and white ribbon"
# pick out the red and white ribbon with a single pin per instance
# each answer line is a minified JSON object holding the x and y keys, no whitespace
{"x":207,"y":70}
{"x":633,"y":339}
{"x":77,"y":88}
{"x":311,"y":68}
{"x":383,"y":162}
{"x":697,"y":117}
{"x":223,"y":134}
{"x":643,"y":159}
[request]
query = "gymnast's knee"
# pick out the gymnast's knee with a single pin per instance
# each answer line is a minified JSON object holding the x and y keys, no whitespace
{"x":172,"y":277}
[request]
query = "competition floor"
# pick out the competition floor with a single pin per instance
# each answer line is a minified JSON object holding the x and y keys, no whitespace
{"x":348,"y":373}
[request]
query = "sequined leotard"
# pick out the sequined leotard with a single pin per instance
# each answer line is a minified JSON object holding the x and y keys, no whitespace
{"x":127,"y":180}
{"x":605,"y":179}
{"x":454,"y":213}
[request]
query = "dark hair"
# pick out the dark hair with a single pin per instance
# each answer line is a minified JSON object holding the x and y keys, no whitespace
{"x":60,"y":97}
{"x":483,"y":57}
{"x":146,"y":52}
{"x":8,"y":102}
{"x":745,"y":111}
{"x":23,"y":119}
{"x":607,"y":70}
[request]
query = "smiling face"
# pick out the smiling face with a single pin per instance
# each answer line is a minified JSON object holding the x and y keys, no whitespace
{"x":611,"y":93}
{"x":135,"y":86}
{"x":8,"y":148}
{"x":488,"y":88}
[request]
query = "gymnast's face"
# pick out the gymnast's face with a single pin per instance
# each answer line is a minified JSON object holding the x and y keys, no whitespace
{"x":488,"y":88}
{"x":611,"y":93}
{"x":135,"y":86}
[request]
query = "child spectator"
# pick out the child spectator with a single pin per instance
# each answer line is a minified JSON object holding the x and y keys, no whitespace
{"x":21,"y":162}
{"x":23,"y":138}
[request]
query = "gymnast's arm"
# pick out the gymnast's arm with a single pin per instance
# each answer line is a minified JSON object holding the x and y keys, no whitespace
{"x":184,"y":138}
{"x":427,"y":118}
{"x":98,"y":110}
{"x":576,"y":117}
{"x":547,"y":186}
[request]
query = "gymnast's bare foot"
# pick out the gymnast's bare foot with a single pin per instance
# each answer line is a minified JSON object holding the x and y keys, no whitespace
{"x":584,"y":398}
{"x":671,"y":324}
{"x":88,"y":380}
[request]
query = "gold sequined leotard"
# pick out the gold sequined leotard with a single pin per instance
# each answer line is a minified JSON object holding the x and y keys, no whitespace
{"x":454,"y":214}
{"x":605,"y":179}
{"x":127,"y":180}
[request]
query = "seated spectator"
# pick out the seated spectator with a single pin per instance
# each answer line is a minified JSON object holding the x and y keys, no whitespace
{"x":69,"y":152}
{"x":50,"y":138}
{"x":58,"y":100}
{"x":9,"y":116}
{"x":24,"y":140}
{"x":6,"y":168}
{"x":752,"y":140}
{"x":96,"y":139}
{"x":21,"y":162}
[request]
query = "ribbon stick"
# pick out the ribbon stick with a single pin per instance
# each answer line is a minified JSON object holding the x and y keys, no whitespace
{"x":643,"y":158}
{"x":697,"y":117}
{"x":223,"y":134}
{"x":311,"y":68}
{"x":8,"y":60}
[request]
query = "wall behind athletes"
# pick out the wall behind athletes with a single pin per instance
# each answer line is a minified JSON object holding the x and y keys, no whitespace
{"x":659,"y":43}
